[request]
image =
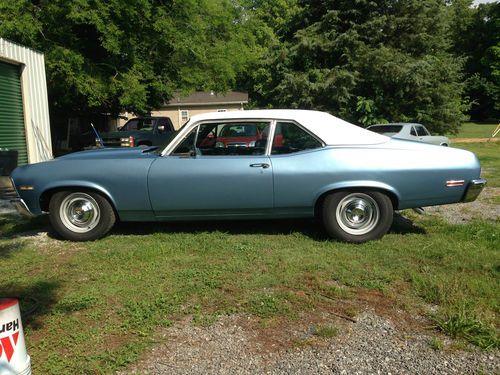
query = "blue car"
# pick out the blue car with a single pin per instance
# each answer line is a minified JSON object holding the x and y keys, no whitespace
{"x":301,"y":164}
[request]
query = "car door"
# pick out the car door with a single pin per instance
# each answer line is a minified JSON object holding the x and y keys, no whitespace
{"x":203,"y":176}
{"x":299,"y":169}
{"x":422,"y":134}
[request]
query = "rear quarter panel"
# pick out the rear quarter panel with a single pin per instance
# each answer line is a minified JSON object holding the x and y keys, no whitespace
{"x":413,"y":172}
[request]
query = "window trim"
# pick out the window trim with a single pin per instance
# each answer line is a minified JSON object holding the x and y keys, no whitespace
{"x":169,"y":150}
{"x":323,"y":144}
{"x":186,"y":129}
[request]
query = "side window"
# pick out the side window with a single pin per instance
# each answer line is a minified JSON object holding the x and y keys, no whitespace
{"x":421,"y":131}
{"x":413,"y":132}
{"x":163,"y":125}
{"x":290,"y":138}
{"x":232,"y":138}
{"x":131,"y":125}
{"x":187,"y":145}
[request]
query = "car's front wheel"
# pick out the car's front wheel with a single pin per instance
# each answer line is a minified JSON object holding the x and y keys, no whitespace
{"x":355,"y":216}
{"x":81,"y":215}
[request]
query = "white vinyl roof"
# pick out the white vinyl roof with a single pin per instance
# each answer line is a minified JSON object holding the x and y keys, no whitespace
{"x":330,"y":129}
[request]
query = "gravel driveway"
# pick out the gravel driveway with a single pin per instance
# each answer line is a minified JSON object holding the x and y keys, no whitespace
{"x":372,"y":345}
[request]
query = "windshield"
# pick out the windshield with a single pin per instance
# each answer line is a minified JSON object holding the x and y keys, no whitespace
{"x":169,"y":139}
{"x":386,"y":129}
{"x":146,"y":124}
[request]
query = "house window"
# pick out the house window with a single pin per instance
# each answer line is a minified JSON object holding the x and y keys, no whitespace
{"x":184,"y":115}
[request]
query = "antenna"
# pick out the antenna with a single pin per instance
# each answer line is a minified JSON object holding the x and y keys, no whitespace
{"x":98,"y":136}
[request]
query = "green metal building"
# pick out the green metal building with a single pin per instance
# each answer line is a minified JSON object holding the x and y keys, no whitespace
{"x":24,"y":110}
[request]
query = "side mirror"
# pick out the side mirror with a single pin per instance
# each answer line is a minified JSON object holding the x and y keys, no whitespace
{"x":192,"y":152}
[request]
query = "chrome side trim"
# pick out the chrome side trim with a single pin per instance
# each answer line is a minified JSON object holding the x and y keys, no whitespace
{"x":451,"y":183}
{"x":473,"y":190}
{"x":22,"y":208}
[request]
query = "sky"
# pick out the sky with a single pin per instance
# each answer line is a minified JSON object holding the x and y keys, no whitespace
{"x":483,"y":1}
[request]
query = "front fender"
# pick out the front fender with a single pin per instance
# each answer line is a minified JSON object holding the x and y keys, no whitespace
{"x":72,"y":184}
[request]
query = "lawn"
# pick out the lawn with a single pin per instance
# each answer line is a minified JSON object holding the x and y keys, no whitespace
{"x":474,"y":130}
{"x":489,"y":155}
{"x":100,"y":303}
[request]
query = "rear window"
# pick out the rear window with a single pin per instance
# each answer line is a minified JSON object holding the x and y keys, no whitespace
{"x":383,"y":129}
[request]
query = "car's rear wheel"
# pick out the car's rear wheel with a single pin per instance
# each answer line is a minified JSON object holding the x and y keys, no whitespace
{"x":355,"y":216}
{"x":81,"y":215}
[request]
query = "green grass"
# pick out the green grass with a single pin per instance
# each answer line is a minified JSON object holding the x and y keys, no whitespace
{"x":489,"y":155}
{"x":100,"y":303}
{"x":474,"y":130}
{"x":326,"y":331}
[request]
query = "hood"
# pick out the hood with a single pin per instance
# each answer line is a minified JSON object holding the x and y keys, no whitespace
{"x":110,"y":153}
{"x":123,"y":134}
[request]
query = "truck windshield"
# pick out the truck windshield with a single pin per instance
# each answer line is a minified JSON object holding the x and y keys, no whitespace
{"x":386,"y":129}
{"x":146,"y":124}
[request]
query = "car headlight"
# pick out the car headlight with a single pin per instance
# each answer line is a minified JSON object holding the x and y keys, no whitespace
{"x":251,"y":144}
{"x":219,"y":144}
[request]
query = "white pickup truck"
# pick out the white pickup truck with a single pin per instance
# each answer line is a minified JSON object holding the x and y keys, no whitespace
{"x":413,"y":132}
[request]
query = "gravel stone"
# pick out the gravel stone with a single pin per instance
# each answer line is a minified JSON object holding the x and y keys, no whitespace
{"x":373,"y":345}
{"x":462,"y":213}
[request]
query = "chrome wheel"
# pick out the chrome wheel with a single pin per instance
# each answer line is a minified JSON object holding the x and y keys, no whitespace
{"x":79,"y":212}
{"x":357,"y":214}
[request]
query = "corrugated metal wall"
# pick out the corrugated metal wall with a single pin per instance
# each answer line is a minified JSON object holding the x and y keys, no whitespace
{"x":34,"y":89}
{"x":12,"y":129}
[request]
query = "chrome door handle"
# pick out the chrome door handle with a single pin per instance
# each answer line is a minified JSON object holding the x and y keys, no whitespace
{"x":260,"y":165}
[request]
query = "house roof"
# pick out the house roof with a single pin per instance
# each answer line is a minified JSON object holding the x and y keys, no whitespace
{"x":204,"y":98}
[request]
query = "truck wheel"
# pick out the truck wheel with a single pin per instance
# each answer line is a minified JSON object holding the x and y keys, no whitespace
{"x":355,"y":216}
{"x":81,"y":215}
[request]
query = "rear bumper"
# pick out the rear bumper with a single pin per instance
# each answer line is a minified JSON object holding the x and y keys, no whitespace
{"x":473,"y":190}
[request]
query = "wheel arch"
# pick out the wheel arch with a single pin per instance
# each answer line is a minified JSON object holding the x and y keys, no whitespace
{"x":357,"y":187}
{"x":50,"y":190}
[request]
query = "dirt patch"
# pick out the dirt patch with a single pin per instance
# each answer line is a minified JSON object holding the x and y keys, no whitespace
{"x":474,"y":140}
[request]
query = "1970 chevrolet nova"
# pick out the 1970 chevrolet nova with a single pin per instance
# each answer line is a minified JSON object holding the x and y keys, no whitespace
{"x":301,"y":164}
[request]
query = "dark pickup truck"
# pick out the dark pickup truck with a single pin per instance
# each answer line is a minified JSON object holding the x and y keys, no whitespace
{"x":140,"y":131}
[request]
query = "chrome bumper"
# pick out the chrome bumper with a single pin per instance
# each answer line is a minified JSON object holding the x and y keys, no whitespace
{"x":8,"y":192}
{"x":21,"y":207}
{"x":473,"y":190}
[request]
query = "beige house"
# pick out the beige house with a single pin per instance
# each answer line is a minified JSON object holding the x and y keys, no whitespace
{"x":180,"y":109}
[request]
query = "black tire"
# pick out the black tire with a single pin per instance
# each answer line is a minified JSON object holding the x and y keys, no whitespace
{"x":357,"y":216}
{"x":81,"y":215}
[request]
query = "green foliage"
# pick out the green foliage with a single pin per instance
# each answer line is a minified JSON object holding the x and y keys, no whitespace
{"x":392,"y":53}
{"x":436,"y":343}
{"x":108,"y":56}
{"x":467,"y":326}
{"x":476,"y":37}
{"x":326,"y":331}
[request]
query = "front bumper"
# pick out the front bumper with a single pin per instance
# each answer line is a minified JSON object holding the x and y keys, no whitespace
{"x":8,"y":192}
{"x":473,"y":190}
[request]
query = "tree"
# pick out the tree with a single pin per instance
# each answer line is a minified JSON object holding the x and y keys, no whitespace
{"x":110,"y":55}
{"x":391,"y":54}
{"x":476,"y":38}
